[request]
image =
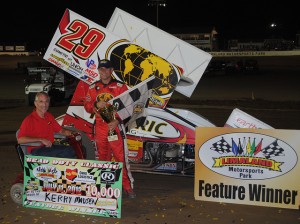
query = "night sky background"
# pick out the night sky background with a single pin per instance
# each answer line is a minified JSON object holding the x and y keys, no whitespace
{"x":34,"y":22}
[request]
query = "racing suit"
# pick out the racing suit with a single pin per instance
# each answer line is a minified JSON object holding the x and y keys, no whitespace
{"x":105,"y":92}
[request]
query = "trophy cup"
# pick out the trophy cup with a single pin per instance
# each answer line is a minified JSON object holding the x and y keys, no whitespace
{"x":108,"y":115}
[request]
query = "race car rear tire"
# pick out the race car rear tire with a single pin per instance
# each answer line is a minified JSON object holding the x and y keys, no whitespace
{"x":16,"y":193}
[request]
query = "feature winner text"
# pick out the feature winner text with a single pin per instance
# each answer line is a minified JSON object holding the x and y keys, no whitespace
{"x":257,"y":192}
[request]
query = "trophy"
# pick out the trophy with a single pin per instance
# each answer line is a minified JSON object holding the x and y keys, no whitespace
{"x":108,"y":115}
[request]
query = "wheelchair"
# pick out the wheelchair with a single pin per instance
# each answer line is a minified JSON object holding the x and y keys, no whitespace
{"x":76,"y":140}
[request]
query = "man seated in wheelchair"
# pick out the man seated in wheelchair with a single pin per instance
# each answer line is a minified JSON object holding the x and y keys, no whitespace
{"x":40,"y":126}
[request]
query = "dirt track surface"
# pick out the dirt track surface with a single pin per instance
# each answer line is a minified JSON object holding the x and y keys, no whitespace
{"x":161,"y":199}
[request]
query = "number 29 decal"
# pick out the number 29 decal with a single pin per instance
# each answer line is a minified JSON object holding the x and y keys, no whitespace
{"x":88,"y":39}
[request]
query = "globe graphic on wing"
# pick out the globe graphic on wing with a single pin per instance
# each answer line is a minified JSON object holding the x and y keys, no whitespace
{"x":133,"y":64}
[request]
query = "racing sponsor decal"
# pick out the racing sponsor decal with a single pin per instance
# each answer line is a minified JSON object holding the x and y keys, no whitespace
{"x":90,"y":63}
{"x":104,"y":97}
{"x":91,"y":73}
{"x":59,"y":60}
{"x":53,"y":61}
{"x":156,"y":101}
{"x":156,"y":128}
{"x":60,"y":52}
{"x":76,"y":67}
{"x":167,"y":167}
{"x":163,"y":130}
{"x":138,"y":108}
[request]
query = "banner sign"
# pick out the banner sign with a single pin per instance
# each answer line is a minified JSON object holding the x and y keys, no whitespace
{"x":69,"y":185}
{"x":248,"y":166}
{"x":78,"y":45}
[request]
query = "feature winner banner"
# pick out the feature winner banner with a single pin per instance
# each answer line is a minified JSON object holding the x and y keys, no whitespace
{"x":78,"y":45}
{"x":77,"y":186}
{"x":248,"y":166}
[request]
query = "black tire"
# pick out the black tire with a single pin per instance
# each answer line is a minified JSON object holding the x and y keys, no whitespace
{"x":84,"y":152}
{"x":87,"y":145}
{"x":16,"y":193}
{"x":88,"y":148}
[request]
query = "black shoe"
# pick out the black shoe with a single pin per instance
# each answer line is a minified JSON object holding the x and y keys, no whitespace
{"x":130,"y":194}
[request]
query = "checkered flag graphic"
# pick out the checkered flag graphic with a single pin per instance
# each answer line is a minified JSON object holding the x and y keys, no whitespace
{"x":221,"y":146}
{"x":273,"y":150}
{"x":132,"y":104}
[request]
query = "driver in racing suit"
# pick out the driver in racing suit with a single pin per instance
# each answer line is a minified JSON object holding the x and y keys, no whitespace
{"x":97,"y":96}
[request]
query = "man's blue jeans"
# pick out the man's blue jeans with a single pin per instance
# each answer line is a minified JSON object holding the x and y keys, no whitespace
{"x":60,"y":151}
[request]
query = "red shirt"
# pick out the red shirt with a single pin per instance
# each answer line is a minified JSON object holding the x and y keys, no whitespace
{"x":35,"y":126}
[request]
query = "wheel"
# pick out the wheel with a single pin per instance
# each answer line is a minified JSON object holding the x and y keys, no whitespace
{"x":84,"y":152}
{"x":16,"y":193}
